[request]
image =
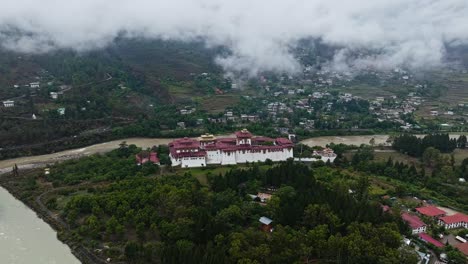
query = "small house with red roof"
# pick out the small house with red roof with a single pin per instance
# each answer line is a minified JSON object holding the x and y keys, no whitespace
{"x":457,"y":220}
{"x":428,"y":239}
{"x":385,"y":208}
{"x":145,"y":157}
{"x":416,"y":224}
{"x":431,"y":211}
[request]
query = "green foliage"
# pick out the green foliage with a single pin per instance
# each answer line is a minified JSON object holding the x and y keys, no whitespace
{"x":414,"y":146}
{"x":116,"y":165}
{"x":175,"y":219}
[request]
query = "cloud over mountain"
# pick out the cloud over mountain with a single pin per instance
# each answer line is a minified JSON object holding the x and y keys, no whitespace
{"x":259,"y":33}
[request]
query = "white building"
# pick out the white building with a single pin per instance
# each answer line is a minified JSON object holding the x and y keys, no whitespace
{"x":9,"y":103}
{"x":457,"y":220}
{"x":54,"y":95}
{"x":34,"y":85}
{"x":324,"y":155}
{"x":226,"y":151}
{"x":417,"y":226}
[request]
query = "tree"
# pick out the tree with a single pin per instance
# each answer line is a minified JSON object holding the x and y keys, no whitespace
{"x":362,"y":188}
{"x":431,"y":157}
{"x":319,"y":214}
{"x":132,"y":250}
{"x":461,"y":141}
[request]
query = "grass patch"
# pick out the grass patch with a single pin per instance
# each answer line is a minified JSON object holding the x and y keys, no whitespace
{"x":62,"y":200}
{"x":460,"y":155}
{"x":370,"y":92}
{"x":218,"y":103}
{"x":396,"y":156}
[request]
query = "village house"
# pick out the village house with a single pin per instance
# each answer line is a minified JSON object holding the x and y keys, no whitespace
{"x":146,"y":156}
{"x":8,"y":103}
{"x":264,"y":197}
{"x":34,"y":85}
{"x":428,"y":239}
{"x":181,"y":125}
{"x":457,"y":220}
{"x":326,"y":154}
{"x":431,"y":211}
{"x":54,"y":95}
{"x":266,"y":224}
{"x":250,"y":118}
{"x":243,"y":148}
{"x":416,"y":224}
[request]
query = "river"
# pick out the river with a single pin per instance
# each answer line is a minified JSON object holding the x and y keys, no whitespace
{"x":27,"y":239}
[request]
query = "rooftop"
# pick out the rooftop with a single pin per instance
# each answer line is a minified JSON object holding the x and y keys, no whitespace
{"x":430,"y":240}
{"x":145,"y":156}
{"x":244,"y":133}
{"x":265,"y":220}
{"x":456,"y":218}
{"x":431,"y":211}
{"x":413,"y":221}
{"x":463,"y":247}
{"x":283,"y":141}
{"x":184,"y":143}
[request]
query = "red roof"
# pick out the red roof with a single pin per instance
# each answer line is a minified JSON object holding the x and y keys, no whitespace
{"x":200,"y":153}
{"x":385,"y":208}
{"x":430,"y":240}
{"x":178,"y":146}
{"x":144,"y":157}
{"x":244,"y":133}
{"x":263,"y":139}
{"x":456,"y":218}
{"x":463,"y":247}
{"x":283,"y":141}
{"x":413,"y":221}
{"x":185,"y":143}
{"x":431,"y":211}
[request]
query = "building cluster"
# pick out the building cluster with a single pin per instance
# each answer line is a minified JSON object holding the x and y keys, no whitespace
{"x":242,"y":148}
{"x":392,"y":108}
{"x":147,"y":157}
{"x":325,"y":155}
{"x":418,"y":227}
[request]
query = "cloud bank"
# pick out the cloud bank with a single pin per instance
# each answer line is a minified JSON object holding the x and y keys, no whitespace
{"x":259,"y":33}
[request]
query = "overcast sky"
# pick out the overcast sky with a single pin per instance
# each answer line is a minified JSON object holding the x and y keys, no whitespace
{"x":259,"y":32}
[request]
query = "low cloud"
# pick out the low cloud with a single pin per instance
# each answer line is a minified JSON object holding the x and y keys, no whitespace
{"x":259,"y":33}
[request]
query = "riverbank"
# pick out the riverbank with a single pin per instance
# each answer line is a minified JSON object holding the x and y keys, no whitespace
{"x":34,"y":203}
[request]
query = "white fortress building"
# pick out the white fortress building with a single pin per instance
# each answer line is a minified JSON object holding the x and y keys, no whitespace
{"x":190,"y":153}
